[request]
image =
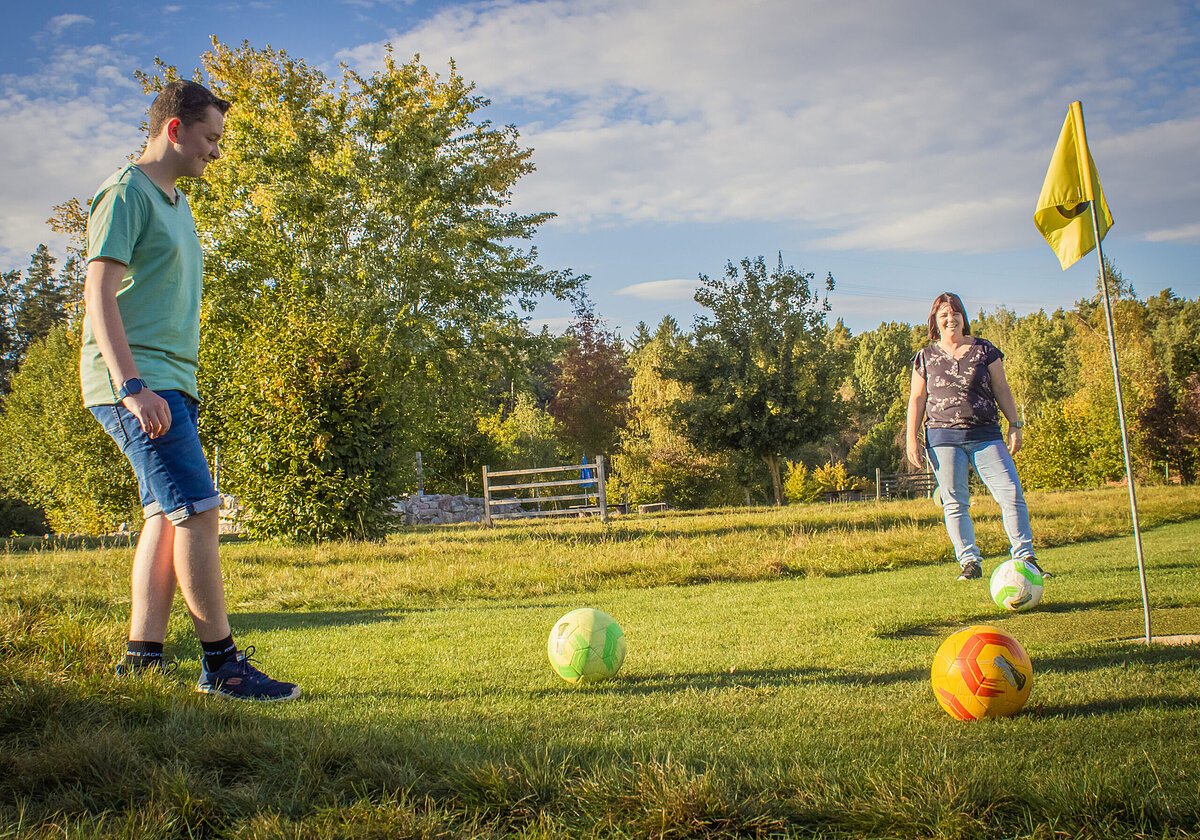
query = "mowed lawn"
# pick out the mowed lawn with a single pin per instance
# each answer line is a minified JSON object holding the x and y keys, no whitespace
{"x":777,"y":684}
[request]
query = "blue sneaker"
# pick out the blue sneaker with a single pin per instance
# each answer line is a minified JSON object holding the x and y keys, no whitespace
{"x":240,"y":680}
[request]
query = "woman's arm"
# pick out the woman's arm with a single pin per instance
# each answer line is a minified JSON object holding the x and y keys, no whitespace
{"x":1008,"y":405}
{"x":918,"y":391}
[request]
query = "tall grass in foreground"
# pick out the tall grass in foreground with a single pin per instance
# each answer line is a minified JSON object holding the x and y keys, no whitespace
{"x":765,"y":693}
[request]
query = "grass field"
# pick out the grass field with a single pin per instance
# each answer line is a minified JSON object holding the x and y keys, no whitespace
{"x":776,"y":685}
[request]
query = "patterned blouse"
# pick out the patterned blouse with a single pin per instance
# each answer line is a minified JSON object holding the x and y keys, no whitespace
{"x":960,"y":393}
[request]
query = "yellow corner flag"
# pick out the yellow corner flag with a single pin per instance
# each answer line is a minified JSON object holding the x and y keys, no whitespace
{"x":1062,"y":209}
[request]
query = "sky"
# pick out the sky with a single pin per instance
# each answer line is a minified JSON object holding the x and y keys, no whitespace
{"x":899,"y":146}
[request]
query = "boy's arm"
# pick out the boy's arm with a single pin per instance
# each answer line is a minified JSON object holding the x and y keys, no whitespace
{"x":100,"y":286}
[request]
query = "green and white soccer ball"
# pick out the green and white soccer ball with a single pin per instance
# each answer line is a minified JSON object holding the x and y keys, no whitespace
{"x":586,"y":645}
{"x":1016,"y":586}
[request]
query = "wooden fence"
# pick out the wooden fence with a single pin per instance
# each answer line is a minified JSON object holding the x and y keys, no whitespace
{"x":518,"y":497}
{"x":904,"y":485}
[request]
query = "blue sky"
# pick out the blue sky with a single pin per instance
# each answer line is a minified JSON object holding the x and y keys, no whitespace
{"x":899,"y":146}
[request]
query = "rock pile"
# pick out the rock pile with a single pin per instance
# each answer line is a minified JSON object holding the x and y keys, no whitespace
{"x":439,"y":509}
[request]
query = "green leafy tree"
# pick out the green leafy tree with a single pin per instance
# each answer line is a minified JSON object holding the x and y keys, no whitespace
{"x":524,"y":437}
{"x":1038,"y":362}
{"x":313,"y":438}
{"x":882,"y":446}
{"x":381,"y":200}
{"x":10,"y":284}
{"x":1174,"y":326}
{"x":881,"y":369}
{"x":53,"y":453}
{"x":1093,"y":455}
{"x":760,"y":377}
{"x":656,"y":462}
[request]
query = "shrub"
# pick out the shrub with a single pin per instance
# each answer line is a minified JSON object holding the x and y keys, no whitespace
{"x":681,"y":477}
{"x":307,"y":427}
{"x":53,"y":453}
{"x":798,"y":483}
{"x":801,"y":485}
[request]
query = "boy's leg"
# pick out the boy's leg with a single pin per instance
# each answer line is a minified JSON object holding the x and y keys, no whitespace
{"x":152,"y":581}
{"x":198,"y":567}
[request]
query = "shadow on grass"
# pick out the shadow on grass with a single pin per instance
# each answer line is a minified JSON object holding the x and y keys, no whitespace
{"x":1120,"y":705}
{"x":933,"y":629}
{"x":688,"y":525}
{"x":1122,"y":655}
{"x":750,"y":679}
{"x":309,"y":620}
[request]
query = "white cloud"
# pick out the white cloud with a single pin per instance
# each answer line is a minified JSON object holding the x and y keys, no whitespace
{"x":60,"y":23}
{"x":661,"y":290}
{"x":64,"y":129}
{"x":1178,"y":234}
{"x":924,"y":126}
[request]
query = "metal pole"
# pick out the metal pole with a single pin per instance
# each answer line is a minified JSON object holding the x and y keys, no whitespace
{"x":1112,"y":349}
{"x":603,"y":497}
{"x":420,"y":475}
{"x":1085,"y":165}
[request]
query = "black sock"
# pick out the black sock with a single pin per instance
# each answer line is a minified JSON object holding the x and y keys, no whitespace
{"x":218,"y":653}
{"x":140,"y":654}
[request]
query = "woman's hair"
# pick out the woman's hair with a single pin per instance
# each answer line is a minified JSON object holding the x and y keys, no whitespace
{"x":956,"y":304}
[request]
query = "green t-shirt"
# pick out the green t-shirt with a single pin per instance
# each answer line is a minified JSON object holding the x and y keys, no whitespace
{"x":133,"y":222}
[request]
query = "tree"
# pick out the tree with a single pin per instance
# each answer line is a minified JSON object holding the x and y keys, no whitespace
{"x":381,"y":200}
{"x":1037,"y":359}
{"x":53,"y":453}
{"x":656,"y":462}
{"x":758,"y":372}
{"x":524,"y":437}
{"x":592,"y":387}
{"x":33,"y":304}
{"x":881,"y":369}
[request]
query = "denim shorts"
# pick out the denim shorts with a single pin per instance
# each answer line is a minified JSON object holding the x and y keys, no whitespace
{"x":172,"y":473}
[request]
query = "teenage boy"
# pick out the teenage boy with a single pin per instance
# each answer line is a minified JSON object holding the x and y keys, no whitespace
{"x":141,"y":340}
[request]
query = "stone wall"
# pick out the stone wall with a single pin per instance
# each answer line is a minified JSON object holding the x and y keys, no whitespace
{"x":439,"y":509}
{"x":434,"y":509}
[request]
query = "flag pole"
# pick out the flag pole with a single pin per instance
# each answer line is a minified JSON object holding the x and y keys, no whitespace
{"x":1085,"y":165}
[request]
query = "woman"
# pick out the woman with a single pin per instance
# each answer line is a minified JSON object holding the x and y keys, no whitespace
{"x":957,"y":382}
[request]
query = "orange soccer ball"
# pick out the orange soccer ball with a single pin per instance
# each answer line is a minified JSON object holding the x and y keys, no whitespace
{"x":981,"y":672}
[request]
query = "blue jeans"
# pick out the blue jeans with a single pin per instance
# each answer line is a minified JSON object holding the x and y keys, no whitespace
{"x":172,"y":472}
{"x":994,"y":466}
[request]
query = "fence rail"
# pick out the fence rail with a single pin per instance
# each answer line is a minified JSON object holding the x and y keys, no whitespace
{"x":528,"y":499}
{"x":904,"y":485}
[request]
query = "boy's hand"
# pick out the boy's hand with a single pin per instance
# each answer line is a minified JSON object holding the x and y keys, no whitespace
{"x":151,"y":410}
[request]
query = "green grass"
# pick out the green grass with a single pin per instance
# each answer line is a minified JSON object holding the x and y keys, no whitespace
{"x":776,"y":685}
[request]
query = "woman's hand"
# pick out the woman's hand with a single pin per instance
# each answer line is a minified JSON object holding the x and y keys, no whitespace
{"x":914,"y":454}
{"x":1014,"y":440}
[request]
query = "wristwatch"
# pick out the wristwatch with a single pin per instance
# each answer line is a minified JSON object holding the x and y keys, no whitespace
{"x":131,"y":386}
{"x":1016,"y":424}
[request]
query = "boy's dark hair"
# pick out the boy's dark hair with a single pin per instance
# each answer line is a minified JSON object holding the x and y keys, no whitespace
{"x":956,"y":304}
{"x":189,"y":101}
